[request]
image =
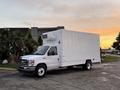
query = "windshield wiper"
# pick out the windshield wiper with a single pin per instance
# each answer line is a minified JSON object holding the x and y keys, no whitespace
{"x":37,"y":54}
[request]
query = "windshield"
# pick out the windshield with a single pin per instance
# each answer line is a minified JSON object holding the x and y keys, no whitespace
{"x":41,"y":51}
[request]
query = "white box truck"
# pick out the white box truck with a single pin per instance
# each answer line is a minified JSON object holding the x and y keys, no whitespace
{"x":62,"y":48}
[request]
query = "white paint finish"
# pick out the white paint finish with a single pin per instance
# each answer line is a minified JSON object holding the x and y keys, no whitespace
{"x":73,"y":48}
{"x":52,"y":61}
{"x":79,"y":46}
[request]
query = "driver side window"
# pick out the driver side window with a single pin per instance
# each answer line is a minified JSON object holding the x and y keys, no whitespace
{"x":52,"y":51}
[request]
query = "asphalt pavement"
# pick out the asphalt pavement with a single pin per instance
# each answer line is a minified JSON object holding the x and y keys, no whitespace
{"x":102,"y":77}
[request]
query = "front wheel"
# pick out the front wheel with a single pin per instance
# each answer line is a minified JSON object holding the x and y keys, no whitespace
{"x":40,"y":71}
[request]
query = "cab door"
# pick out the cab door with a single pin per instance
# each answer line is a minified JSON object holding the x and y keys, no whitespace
{"x":53,"y":58}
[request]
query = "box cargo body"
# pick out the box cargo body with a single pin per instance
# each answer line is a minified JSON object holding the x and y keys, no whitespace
{"x":74,"y":48}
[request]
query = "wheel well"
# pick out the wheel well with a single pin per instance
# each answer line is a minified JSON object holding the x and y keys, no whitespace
{"x":89,"y":60}
{"x":42,"y":64}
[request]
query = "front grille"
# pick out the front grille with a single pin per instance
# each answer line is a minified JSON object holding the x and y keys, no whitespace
{"x":21,"y":67}
{"x":23,"y":62}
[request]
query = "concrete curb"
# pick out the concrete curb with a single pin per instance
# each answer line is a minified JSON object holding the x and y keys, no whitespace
{"x":8,"y":69}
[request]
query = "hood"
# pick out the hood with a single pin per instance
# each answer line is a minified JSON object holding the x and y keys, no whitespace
{"x":32,"y":57}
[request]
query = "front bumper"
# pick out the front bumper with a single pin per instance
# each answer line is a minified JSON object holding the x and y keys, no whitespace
{"x":26,"y":69}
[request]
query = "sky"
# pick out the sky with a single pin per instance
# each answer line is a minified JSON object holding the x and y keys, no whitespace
{"x":95,"y":16}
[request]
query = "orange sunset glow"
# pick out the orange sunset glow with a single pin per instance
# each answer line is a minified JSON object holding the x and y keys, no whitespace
{"x":107,"y":37}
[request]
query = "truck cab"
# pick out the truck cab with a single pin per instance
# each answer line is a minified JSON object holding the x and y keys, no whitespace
{"x":45,"y":58}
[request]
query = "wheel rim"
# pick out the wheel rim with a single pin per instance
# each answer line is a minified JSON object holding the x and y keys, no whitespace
{"x":41,"y":71}
{"x":88,"y":66}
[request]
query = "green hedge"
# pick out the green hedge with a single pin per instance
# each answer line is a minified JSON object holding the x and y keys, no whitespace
{"x":110,"y":58}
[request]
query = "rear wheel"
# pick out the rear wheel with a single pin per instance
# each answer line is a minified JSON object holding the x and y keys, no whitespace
{"x":69,"y":67}
{"x":88,"y":65}
{"x":40,"y":70}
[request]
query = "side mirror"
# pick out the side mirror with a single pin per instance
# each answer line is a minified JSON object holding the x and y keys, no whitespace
{"x":51,"y":53}
{"x":48,"y":53}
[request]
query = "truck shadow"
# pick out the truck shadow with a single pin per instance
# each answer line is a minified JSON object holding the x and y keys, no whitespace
{"x":52,"y":73}
{"x":57,"y":72}
{"x":65,"y":71}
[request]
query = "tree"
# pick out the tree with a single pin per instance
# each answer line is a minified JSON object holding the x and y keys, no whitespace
{"x":3,"y":43}
{"x":14,"y":43}
{"x":116,"y":44}
{"x":30,"y":44}
{"x":40,"y":41}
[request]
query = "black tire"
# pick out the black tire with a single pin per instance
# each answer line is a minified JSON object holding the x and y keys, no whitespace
{"x":40,"y":70}
{"x":88,"y":65}
{"x":70,"y":67}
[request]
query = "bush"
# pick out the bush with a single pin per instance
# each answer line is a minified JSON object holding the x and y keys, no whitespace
{"x":13,"y":44}
{"x":110,"y":58}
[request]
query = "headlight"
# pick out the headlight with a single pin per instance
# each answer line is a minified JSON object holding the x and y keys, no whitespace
{"x":31,"y":63}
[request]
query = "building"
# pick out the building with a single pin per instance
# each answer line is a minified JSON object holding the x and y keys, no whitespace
{"x":35,"y":31}
{"x":16,"y":29}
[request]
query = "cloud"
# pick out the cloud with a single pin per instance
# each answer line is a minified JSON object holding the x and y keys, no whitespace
{"x":98,"y":16}
{"x":84,"y":14}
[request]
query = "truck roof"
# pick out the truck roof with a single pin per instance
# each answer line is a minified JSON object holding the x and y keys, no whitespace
{"x":75,"y":31}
